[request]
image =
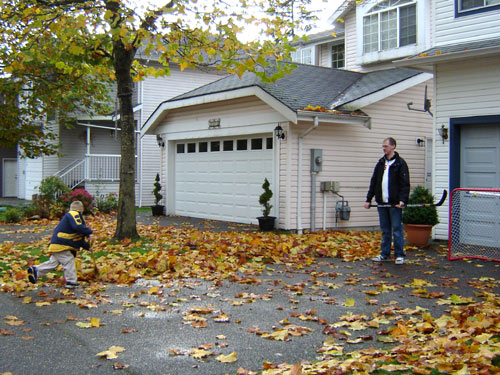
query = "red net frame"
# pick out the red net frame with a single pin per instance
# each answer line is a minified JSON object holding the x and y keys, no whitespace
{"x":474,"y":224}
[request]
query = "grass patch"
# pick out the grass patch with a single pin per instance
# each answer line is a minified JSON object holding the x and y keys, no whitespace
{"x":143,"y":209}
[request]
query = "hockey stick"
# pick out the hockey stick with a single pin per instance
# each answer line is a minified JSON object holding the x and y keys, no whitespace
{"x":440,"y":203}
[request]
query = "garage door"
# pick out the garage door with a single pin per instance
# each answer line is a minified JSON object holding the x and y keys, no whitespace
{"x":480,"y":168}
{"x":222,"y":179}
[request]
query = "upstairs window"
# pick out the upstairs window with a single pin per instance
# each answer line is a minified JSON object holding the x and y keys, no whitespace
{"x":303,"y":55}
{"x":390,"y":24}
{"x":464,"y":7}
{"x":338,"y":56}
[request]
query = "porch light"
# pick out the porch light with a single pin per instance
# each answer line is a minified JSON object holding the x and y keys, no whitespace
{"x":279,"y":132}
{"x":160,"y":141}
{"x":443,"y":132}
{"x":214,"y":123}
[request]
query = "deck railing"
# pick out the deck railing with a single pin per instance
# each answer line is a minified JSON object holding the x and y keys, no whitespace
{"x":94,"y":167}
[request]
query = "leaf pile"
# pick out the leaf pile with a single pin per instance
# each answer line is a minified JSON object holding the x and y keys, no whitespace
{"x":172,"y":253}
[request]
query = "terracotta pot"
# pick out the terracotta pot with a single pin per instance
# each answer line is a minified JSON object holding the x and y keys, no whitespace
{"x":418,"y":234}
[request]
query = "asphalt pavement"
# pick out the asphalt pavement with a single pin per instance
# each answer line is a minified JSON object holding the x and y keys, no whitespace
{"x":164,"y":326}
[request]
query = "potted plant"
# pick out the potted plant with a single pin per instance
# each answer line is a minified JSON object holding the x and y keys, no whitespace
{"x":266,"y":222}
{"x":418,"y":221}
{"x":157,"y":209}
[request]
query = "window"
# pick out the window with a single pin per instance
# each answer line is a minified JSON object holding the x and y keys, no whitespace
{"x":464,"y":7}
{"x":303,"y":55}
{"x":269,"y":143}
{"x":241,"y":145}
{"x":203,"y":147}
{"x":180,"y":148}
{"x":215,"y":146}
{"x":191,"y":148}
{"x":256,"y":144}
{"x":390,"y":24}
{"x":228,"y":145}
{"x":338,"y":54}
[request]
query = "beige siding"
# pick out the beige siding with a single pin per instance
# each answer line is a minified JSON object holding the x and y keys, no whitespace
{"x":450,"y":29}
{"x":349,"y":156}
{"x":465,"y":89}
{"x":351,"y":42}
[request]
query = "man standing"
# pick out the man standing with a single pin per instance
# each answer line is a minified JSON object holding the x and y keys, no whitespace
{"x":390,"y":184}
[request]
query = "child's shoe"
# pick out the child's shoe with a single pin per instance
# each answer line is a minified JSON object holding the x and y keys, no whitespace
{"x":71,"y":285}
{"x":380,"y":258}
{"x":32,"y":274}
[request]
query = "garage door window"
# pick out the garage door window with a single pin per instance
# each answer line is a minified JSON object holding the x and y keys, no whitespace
{"x":191,"y":147}
{"x":180,"y":148}
{"x":215,"y":146}
{"x":242,"y":145}
{"x":257,"y":144}
{"x":269,"y":143}
{"x":203,"y":147}
{"x":228,"y":145}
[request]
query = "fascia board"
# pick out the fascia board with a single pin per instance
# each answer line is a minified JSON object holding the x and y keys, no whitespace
{"x":387,"y":92}
{"x":334,"y":118}
{"x":340,"y":12}
{"x":446,"y":57}
{"x":158,"y":115}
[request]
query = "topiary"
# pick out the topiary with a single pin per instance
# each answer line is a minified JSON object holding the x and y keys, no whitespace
{"x":265,"y":197}
{"x":157,"y":189}
{"x":420,"y":215}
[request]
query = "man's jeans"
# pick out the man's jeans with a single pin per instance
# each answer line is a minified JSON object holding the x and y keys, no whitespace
{"x":391,"y":225}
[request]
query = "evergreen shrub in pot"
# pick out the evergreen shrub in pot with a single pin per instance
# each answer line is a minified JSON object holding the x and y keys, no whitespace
{"x":418,"y":221}
{"x":266,"y":222}
{"x":157,"y":209}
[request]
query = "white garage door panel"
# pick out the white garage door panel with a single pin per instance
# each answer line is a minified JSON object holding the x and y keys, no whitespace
{"x":223,"y":185}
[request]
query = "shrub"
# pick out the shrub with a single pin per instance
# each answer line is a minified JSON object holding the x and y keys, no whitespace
{"x":78,"y":195}
{"x":51,"y":188}
{"x":265,"y":197}
{"x":420,"y":215}
{"x":12,"y":215}
{"x":107,"y":203}
{"x":157,"y":189}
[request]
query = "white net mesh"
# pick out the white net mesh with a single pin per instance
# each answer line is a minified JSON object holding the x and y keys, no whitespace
{"x":474,"y":224}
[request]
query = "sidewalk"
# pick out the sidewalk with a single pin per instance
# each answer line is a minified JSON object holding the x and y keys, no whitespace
{"x":173,"y":327}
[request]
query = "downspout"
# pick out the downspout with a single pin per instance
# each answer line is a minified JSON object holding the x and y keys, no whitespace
{"x":299,"y":175}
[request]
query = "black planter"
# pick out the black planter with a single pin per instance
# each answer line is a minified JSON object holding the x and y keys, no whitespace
{"x":158,"y":210}
{"x":266,"y":223}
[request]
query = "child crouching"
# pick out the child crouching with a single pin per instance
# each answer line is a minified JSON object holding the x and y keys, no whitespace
{"x":68,"y":237}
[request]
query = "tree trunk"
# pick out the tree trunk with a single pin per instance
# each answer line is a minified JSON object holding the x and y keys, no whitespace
{"x":126,"y":220}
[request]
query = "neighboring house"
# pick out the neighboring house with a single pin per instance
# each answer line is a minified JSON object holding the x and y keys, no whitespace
{"x":8,"y":172}
{"x":91,"y":150}
{"x":365,"y":101}
{"x":465,"y":61}
{"x":220,"y":145}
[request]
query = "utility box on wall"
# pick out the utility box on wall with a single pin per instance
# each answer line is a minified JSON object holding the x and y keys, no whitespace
{"x":316,"y":159}
{"x":333,"y":186}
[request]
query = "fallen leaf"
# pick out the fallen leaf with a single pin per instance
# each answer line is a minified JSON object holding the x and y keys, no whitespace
{"x":227,"y":358}
{"x":111,"y":353}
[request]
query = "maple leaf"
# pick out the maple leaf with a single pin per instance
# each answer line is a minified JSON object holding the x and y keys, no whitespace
{"x":227,"y":358}
{"x":111,"y":353}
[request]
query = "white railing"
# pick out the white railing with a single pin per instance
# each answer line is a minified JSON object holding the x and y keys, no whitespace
{"x":103,"y":167}
{"x":92,"y":168}
{"x":73,"y":174}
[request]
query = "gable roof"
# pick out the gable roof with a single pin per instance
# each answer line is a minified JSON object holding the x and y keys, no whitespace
{"x":305,"y":87}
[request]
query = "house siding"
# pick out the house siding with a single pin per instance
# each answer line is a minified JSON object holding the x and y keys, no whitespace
{"x":464,"y":89}
{"x":343,"y":161}
{"x":351,"y":36}
{"x":450,"y":29}
{"x":154,"y":91}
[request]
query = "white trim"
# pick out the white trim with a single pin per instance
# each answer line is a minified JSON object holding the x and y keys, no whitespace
{"x":334,"y":118}
{"x":140,"y":92}
{"x":341,"y":11}
{"x":446,"y":57}
{"x":157,"y":116}
{"x":387,"y":92}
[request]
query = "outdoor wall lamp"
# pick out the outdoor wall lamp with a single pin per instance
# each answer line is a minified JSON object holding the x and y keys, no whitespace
{"x":443,"y":132}
{"x":160,"y":141}
{"x":214,"y":123}
{"x":279,"y":132}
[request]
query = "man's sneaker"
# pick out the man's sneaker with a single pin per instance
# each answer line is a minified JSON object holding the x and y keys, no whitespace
{"x":32,"y":274}
{"x":71,"y":285}
{"x":379,"y":258}
{"x":400,"y":260}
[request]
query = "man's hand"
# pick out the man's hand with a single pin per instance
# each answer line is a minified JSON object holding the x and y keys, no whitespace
{"x":401,"y":204}
{"x":367,"y":205}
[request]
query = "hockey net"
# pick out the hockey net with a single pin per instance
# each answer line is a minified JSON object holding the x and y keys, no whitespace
{"x":474,"y":226}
